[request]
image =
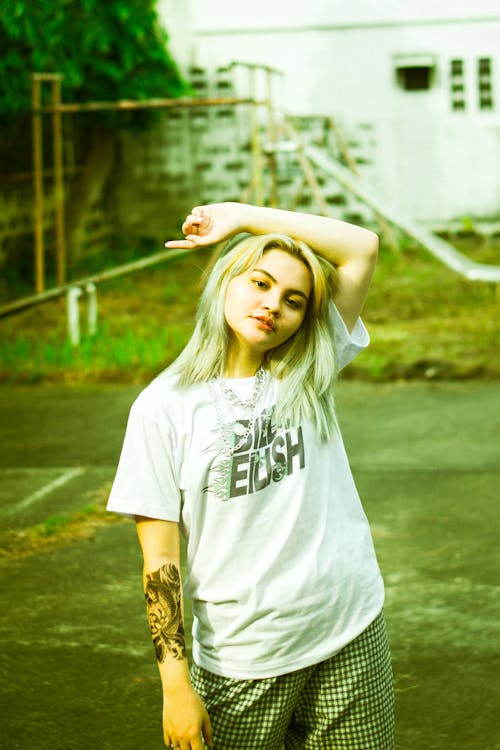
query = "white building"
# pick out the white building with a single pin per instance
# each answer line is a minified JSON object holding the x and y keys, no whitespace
{"x":422,"y":79}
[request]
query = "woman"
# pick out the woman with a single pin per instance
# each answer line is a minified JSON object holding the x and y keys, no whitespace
{"x":236,"y":446}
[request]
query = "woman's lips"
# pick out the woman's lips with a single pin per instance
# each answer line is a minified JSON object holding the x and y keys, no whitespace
{"x":264,"y":322}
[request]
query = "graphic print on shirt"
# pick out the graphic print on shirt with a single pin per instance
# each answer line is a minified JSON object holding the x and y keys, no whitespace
{"x":268,"y":455}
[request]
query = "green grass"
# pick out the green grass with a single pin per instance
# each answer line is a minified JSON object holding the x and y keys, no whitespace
{"x":424,"y":320}
{"x":105,"y":356}
{"x":144,"y":321}
{"x":57,"y":530}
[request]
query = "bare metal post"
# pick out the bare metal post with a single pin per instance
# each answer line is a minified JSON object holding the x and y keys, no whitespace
{"x":91,"y":292}
{"x":73,"y":314}
{"x":308,"y":171}
{"x":37,"y":155}
{"x":256,"y":147}
{"x":58,"y":180}
{"x":385,"y":228}
{"x":271,"y":134}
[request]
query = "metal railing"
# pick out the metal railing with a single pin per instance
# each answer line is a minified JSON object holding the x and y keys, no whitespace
{"x":310,"y":159}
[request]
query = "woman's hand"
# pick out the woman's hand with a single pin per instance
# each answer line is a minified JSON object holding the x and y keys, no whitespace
{"x":207,"y":225}
{"x":185,"y":720}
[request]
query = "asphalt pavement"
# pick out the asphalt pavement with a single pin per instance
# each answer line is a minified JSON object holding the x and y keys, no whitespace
{"x":77,"y":666}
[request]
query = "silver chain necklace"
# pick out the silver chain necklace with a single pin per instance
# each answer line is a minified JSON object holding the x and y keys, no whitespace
{"x":250,"y":403}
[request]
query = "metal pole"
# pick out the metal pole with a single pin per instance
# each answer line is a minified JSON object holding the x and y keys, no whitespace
{"x":441,"y":250}
{"x":92,"y":311}
{"x":308,"y":171}
{"x":256,"y":148}
{"x":271,"y":134}
{"x":73,"y":314}
{"x":37,"y":166}
{"x":385,"y":228}
{"x":58,"y":181}
{"x":111,"y":273}
{"x":132,"y":104}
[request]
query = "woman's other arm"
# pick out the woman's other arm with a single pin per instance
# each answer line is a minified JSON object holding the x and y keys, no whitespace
{"x":352,"y":249}
{"x":185,"y":719}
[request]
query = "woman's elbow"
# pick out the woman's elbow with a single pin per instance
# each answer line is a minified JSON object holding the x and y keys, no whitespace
{"x":372,"y":245}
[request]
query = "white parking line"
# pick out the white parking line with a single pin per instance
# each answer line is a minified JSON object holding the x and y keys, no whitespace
{"x":48,"y":488}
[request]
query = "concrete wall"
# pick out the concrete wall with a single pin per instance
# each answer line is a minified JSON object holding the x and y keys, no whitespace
{"x":191,"y":156}
{"x":340,"y":59}
{"x":176,"y":18}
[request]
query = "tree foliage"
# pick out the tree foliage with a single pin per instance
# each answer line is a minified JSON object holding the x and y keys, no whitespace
{"x":106,"y":50}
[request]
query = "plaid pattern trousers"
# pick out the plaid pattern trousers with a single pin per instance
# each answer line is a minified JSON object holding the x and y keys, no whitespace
{"x":342,"y":703}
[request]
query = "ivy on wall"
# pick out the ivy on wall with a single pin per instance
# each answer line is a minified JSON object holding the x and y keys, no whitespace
{"x":106,"y":50}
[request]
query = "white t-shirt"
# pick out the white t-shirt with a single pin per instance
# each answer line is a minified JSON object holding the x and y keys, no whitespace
{"x":282,"y":571}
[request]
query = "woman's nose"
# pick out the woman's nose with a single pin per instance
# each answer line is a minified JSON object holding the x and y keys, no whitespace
{"x":272,"y":303}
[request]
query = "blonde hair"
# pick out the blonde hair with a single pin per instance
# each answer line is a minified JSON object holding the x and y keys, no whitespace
{"x":305,"y":364}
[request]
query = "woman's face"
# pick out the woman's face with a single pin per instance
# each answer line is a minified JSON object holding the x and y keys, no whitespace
{"x":266,"y":305}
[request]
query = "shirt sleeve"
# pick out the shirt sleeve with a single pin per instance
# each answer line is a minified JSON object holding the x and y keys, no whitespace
{"x":347,"y":345}
{"x":146,"y":481}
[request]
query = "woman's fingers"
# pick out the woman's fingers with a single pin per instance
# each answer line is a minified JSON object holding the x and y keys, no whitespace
{"x":184,"y":744}
{"x":187,"y":243}
{"x":206,"y":730}
{"x":198,"y":229}
{"x":192,"y":223}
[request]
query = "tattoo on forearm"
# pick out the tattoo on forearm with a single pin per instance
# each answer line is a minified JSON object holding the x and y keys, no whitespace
{"x":163,"y":604}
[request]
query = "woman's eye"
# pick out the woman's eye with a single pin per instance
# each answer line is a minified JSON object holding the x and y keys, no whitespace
{"x":293,"y":303}
{"x":260,"y":284}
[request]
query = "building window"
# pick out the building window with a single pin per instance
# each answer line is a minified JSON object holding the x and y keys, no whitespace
{"x":485,"y":83}
{"x":457,"y":84}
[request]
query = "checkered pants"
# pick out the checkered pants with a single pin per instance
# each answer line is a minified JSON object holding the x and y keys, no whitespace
{"x":343,"y":703}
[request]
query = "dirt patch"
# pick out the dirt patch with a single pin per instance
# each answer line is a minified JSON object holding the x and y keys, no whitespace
{"x":56,"y":531}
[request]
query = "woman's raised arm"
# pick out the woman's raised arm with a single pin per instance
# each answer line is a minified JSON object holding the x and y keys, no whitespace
{"x":352,"y":249}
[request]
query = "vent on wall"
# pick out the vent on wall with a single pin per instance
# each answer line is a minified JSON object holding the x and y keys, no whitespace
{"x":415,"y":72}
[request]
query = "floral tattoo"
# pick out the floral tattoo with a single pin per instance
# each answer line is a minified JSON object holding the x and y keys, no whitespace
{"x":163,"y":604}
